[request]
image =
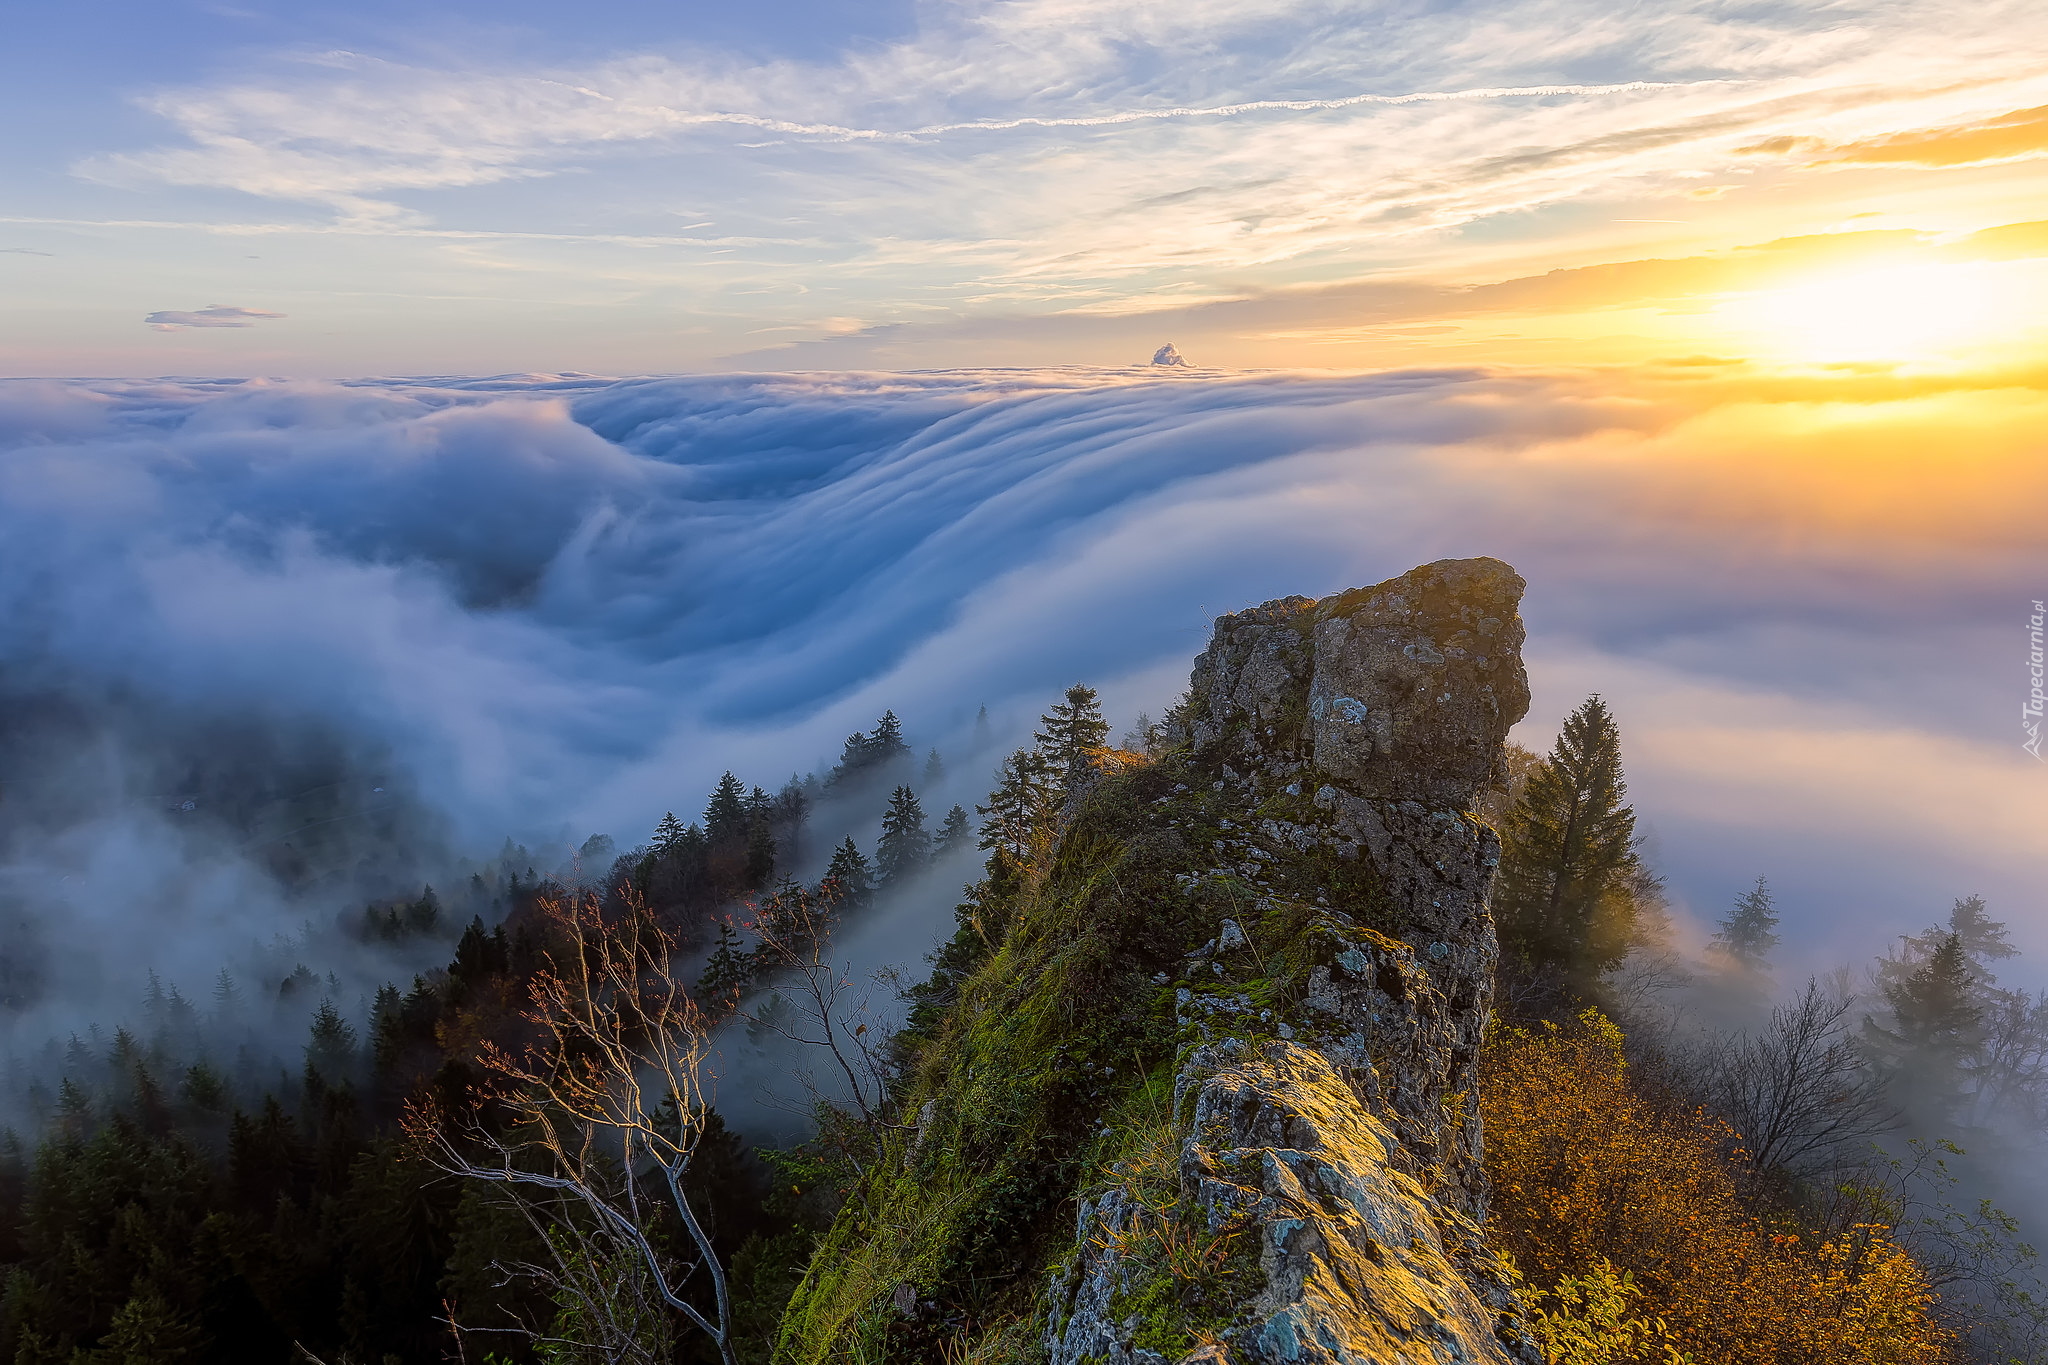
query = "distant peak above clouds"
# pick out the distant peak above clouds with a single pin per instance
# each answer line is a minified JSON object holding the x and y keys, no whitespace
{"x":213,"y":315}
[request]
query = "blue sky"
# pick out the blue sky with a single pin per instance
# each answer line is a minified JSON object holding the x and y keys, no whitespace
{"x":634,"y":188}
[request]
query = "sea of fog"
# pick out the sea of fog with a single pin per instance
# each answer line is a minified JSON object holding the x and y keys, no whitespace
{"x":452,"y":611}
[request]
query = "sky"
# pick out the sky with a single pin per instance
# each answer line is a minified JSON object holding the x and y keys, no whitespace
{"x":566,"y":404}
{"x":311,"y":190}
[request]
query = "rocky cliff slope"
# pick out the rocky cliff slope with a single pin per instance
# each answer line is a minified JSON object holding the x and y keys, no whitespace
{"x":1205,"y":1089}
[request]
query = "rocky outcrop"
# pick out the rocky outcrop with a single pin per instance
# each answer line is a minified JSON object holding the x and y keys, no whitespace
{"x":1327,"y":1178}
{"x":1202,"y":1086}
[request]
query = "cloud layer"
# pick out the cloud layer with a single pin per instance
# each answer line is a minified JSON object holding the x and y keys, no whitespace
{"x":553,"y":605}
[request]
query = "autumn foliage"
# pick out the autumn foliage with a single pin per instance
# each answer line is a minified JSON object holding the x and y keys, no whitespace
{"x":1616,"y":1207}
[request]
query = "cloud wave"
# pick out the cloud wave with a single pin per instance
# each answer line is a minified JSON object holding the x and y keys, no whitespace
{"x":548,"y":605}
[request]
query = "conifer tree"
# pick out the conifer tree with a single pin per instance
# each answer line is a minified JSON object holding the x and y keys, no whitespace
{"x":886,"y":744}
{"x":905,"y":846}
{"x":387,"y":1030}
{"x":331,"y":1051}
{"x":667,"y":834}
{"x":1069,"y":730}
{"x":1930,"y":1040}
{"x":147,"y":1330}
{"x":1749,"y":932}
{"x":760,"y":854}
{"x":984,"y":732}
{"x":863,"y":754}
{"x":1568,"y":854}
{"x":792,"y":809}
{"x":849,"y":876}
{"x":1984,"y":940}
{"x":1021,"y":809}
{"x":953,"y":834}
{"x":725,"y":814}
{"x":934,"y":770}
{"x":728,"y":970}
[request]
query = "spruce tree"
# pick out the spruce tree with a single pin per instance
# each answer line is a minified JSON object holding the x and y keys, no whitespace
{"x":953,"y":834}
{"x":1021,"y":809}
{"x":984,"y":732}
{"x":728,"y":971}
{"x":1069,"y":730}
{"x":1984,"y":940}
{"x":331,"y":1051}
{"x":886,"y":744}
{"x":147,"y":1330}
{"x":760,"y":854}
{"x":667,"y":834}
{"x":1749,"y":932}
{"x":1562,"y":897}
{"x":1931,"y":1037}
{"x":934,"y":770}
{"x":848,"y":875}
{"x":725,"y":814}
{"x":792,"y":809}
{"x":905,"y":846}
{"x":864,"y":754}
{"x":387,"y":1030}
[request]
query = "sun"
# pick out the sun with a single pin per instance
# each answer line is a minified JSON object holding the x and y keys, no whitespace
{"x":1906,"y":314}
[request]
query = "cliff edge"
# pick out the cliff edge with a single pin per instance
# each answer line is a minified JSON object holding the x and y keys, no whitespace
{"x":1203,"y":1088}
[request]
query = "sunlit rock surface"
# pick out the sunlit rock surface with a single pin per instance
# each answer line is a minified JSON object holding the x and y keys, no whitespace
{"x":1204,"y":1089}
{"x":1339,"y":1152}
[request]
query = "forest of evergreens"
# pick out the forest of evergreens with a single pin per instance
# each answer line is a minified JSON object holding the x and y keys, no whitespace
{"x":1691,"y":1158}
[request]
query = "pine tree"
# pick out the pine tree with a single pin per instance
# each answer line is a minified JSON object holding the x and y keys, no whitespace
{"x":725,"y":814}
{"x":1021,"y":809}
{"x":760,"y":854}
{"x":387,"y":1030}
{"x":1749,"y":932}
{"x":984,"y":732}
{"x":848,"y":876}
{"x":864,"y":754}
{"x":331,"y":1052}
{"x":1984,"y":941}
{"x":934,"y":770}
{"x":728,"y":971}
{"x":1930,"y":1041}
{"x":423,"y":916}
{"x":147,"y":1330}
{"x":1568,"y":854}
{"x":667,"y":834}
{"x":886,"y":744}
{"x":792,"y":809}
{"x":1069,"y":730}
{"x":954,"y":834}
{"x":905,"y":846}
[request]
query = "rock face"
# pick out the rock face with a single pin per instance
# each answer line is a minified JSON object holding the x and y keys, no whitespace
{"x":1325,"y":1116}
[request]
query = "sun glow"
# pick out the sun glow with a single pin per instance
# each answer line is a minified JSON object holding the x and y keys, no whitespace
{"x":1908,"y":314}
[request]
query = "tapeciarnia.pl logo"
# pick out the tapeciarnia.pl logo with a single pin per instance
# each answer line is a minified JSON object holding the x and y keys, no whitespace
{"x":2030,"y":714}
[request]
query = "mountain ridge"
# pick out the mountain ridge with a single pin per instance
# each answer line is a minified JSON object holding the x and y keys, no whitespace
{"x":1208,"y":1091}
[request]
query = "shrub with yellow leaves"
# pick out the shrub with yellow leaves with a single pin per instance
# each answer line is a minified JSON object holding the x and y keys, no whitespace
{"x":1628,"y":1222}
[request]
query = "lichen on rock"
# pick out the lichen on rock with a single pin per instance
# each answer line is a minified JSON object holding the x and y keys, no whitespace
{"x":1218,"y":1079}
